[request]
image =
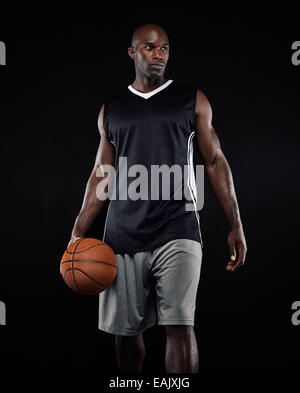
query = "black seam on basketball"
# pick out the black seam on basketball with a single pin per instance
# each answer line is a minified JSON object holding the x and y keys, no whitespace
{"x":93,"y":245}
{"x":89,"y":260}
{"x":70,"y":270}
{"x":73,"y":265}
{"x":66,"y":271}
{"x":100,"y":285}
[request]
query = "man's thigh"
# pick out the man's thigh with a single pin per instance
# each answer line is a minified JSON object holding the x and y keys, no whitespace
{"x":176,"y":269}
{"x":127,"y":308}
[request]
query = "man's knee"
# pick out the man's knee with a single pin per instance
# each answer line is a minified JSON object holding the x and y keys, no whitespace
{"x":179,"y":330}
{"x":129,"y":340}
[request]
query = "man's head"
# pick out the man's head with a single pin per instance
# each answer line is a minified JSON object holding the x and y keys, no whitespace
{"x":149,"y":50}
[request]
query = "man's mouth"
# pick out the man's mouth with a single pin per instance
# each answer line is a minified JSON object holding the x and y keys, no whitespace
{"x":159,"y":65}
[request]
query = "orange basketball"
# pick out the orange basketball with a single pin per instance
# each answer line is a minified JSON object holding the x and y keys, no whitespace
{"x":88,"y":266}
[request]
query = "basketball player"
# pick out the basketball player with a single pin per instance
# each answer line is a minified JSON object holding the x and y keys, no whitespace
{"x":158,"y":243}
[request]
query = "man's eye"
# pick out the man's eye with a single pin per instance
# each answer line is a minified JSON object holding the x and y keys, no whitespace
{"x":164,"y":48}
{"x":149,"y":47}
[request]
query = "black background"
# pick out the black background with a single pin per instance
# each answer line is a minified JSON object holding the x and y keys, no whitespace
{"x":60,"y":68}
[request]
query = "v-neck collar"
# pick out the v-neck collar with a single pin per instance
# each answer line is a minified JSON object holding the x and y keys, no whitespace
{"x":150,"y":93}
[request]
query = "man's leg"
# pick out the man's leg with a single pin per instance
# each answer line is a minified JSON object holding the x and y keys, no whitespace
{"x":130,"y":352}
{"x":176,"y":269}
{"x":181,"y":350}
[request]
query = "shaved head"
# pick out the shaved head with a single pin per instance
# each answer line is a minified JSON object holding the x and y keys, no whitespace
{"x":150,"y":51}
{"x":145,"y":32}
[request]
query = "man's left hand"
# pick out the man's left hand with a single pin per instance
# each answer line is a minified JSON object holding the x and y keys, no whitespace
{"x":237,"y":248}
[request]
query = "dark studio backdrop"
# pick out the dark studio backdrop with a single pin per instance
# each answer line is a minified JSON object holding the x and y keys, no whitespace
{"x":57,"y":76}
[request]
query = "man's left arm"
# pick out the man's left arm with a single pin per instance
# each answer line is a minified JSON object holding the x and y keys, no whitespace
{"x":220,"y":178}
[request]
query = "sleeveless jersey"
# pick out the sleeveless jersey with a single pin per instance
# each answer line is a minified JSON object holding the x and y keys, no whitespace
{"x":148,"y":130}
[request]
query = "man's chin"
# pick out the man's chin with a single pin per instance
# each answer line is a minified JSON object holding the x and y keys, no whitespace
{"x":156,"y":72}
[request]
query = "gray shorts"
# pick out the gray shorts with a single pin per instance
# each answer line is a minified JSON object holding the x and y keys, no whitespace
{"x":158,"y":286}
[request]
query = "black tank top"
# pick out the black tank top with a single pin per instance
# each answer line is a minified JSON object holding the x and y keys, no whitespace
{"x":148,"y":129}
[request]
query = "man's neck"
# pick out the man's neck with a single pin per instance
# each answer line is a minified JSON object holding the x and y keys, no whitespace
{"x":145,"y":85}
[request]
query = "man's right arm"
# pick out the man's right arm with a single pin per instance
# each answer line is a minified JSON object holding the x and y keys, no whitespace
{"x":92,"y":205}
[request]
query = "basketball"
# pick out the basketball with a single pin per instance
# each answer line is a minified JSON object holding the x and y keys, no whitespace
{"x":88,"y":266}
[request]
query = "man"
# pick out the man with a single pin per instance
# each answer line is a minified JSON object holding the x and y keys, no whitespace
{"x":157,"y":242}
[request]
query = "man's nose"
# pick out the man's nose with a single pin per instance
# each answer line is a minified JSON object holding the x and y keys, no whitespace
{"x":156,"y":54}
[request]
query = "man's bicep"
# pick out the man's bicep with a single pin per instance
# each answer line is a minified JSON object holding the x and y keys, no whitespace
{"x":207,"y":139}
{"x":106,"y":151}
{"x":208,"y":143}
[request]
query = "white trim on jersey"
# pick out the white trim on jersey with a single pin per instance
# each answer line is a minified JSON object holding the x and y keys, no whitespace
{"x":191,"y":182}
{"x":104,"y":230}
{"x":151,"y":93}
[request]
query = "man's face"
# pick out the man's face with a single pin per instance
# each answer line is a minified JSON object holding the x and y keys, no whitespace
{"x":150,"y":53}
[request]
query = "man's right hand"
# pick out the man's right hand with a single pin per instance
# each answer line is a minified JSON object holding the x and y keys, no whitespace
{"x":73,"y":239}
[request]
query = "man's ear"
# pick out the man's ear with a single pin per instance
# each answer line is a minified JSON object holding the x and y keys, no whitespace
{"x":131,"y":53}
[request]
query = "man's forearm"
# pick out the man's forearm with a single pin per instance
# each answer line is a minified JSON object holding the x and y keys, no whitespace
{"x":220,"y":178}
{"x":85,"y":218}
{"x":91,"y":207}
